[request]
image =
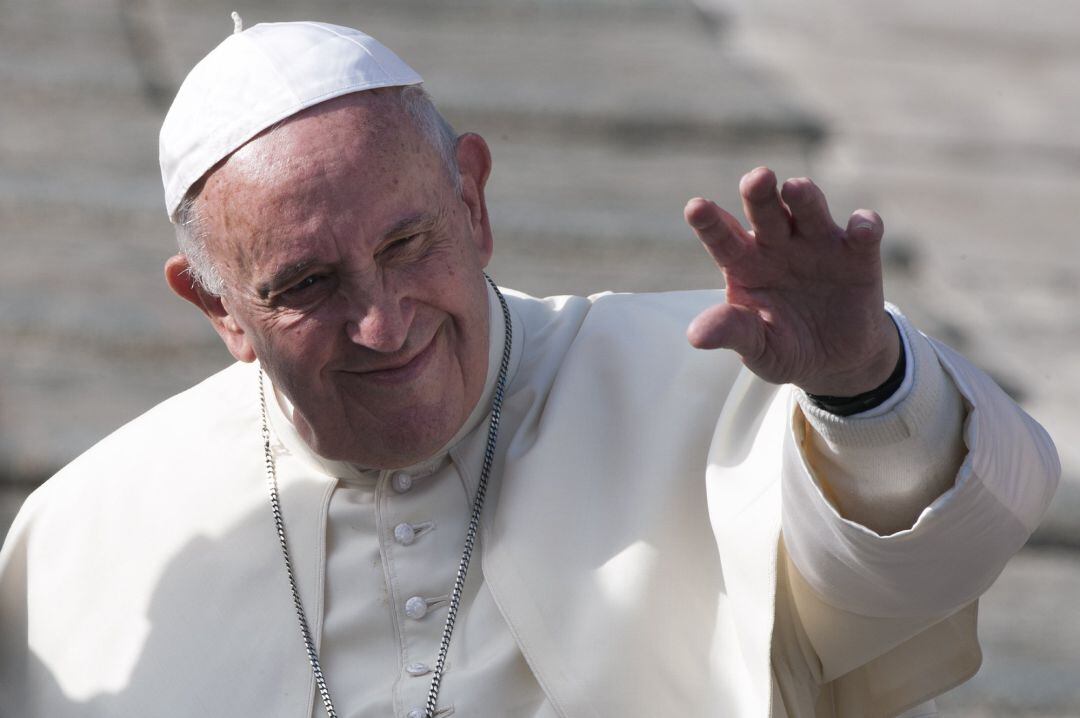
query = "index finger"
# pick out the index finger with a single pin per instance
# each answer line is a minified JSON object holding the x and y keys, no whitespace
{"x":718,"y":230}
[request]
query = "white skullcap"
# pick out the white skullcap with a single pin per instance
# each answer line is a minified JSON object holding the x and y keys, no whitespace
{"x":257,"y":78}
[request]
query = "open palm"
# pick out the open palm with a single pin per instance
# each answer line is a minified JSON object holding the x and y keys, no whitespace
{"x":804,"y":297}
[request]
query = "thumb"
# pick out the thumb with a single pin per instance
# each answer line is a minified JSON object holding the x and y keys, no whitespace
{"x":728,"y":326}
{"x":865,"y":229}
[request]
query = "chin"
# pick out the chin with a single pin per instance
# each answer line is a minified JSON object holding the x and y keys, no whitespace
{"x":409,"y":439}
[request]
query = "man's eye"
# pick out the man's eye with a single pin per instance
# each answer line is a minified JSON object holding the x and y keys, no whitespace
{"x":402,"y":245}
{"x":303,"y":285}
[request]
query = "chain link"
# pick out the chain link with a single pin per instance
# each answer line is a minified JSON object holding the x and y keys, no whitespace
{"x":477,"y":508}
{"x":470,"y":535}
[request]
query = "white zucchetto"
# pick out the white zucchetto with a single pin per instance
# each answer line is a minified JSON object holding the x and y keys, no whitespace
{"x":257,"y":78}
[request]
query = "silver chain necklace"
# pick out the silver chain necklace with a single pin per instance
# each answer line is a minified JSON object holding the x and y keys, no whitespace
{"x":466,"y":554}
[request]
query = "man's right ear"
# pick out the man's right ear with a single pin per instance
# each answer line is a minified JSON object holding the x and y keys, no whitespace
{"x":182,"y":282}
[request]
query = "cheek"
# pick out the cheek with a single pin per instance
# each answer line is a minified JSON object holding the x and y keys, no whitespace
{"x":470,"y":311}
{"x":297,"y":351}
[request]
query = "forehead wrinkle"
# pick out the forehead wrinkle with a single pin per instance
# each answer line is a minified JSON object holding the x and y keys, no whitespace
{"x":416,"y":222}
{"x":301,"y":204}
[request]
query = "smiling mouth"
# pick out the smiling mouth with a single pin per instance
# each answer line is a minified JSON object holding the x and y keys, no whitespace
{"x":403,"y":372}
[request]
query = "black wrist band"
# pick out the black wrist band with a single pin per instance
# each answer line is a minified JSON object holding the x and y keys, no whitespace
{"x":848,"y":405}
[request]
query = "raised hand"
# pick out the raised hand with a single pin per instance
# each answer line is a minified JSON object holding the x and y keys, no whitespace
{"x":805,"y":302}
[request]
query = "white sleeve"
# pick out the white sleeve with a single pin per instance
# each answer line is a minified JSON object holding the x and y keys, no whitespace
{"x":882,"y":467}
{"x":903,"y":513}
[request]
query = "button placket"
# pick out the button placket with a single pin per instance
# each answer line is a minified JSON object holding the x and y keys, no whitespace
{"x":401,"y":482}
{"x":406,"y":533}
{"x":416,"y":567}
{"x":418,"y":669}
{"x":416,"y":607}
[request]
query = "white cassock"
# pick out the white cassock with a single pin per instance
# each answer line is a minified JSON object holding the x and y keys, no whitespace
{"x":631,"y":560}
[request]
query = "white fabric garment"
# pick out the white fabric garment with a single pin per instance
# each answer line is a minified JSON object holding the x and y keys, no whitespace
{"x":370,"y":643}
{"x":631,"y":545}
{"x":377,"y":660}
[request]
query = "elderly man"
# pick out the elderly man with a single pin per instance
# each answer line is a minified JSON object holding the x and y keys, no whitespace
{"x":486,"y":504}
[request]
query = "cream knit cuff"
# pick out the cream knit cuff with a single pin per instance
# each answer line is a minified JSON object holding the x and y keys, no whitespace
{"x":918,"y":403}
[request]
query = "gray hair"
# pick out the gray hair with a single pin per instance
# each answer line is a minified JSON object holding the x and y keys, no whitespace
{"x":191,"y":234}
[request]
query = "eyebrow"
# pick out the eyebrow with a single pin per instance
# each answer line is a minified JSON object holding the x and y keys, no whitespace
{"x":412,"y":224}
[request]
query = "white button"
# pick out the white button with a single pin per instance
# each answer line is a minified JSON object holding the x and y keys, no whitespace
{"x":417,"y":669}
{"x":401,"y":482}
{"x":404,"y":534}
{"x":416,"y":608}
{"x":417,"y":713}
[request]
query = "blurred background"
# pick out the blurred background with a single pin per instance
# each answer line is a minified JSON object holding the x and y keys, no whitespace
{"x":959,"y":122}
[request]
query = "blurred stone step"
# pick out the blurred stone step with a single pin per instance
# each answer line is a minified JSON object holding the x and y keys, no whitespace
{"x":612,"y":72}
{"x":1030,"y":641}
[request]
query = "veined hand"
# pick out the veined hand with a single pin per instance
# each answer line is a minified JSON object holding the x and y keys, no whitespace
{"x":805,"y":302}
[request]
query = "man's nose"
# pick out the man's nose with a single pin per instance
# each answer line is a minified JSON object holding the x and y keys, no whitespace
{"x":383,"y":325}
